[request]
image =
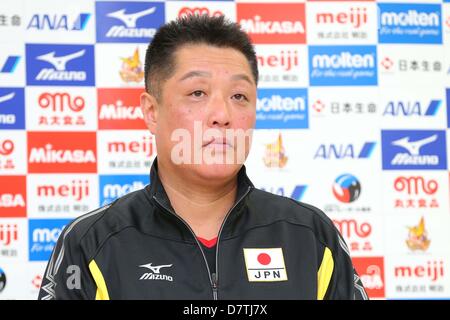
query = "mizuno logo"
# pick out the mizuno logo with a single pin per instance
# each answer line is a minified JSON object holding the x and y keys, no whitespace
{"x":414,"y":147}
{"x":7,"y":97}
{"x":130,"y":19}
{"x":155,"y":272}
{"x":60,"y":62}
{"x":154,"y":269}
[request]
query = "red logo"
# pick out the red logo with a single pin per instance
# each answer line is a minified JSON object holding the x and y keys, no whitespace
{"x":77,"y":189}
{"x":418,"y":192}
{"x":13,"y":197}
{"x":354,"y":16}
{"x":37,"y":281}
{"x":371,"y":272}
{"x":145,"y":146}
{"x":60,"y":102}
{"x":120,"y":109}
{"x":284,"y":60}
{"x":6,"y":147}
{"x":387,"y":63}
{"x":350,"y":228}
{"x":69,"y":152}
{"x":318,"y":106}
{"x":273,"y":22}
{"x":186,"y":11}
{"x":433,"y":270}
{"x":8,"y":234}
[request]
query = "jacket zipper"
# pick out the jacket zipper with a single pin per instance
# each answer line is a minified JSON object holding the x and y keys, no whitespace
{"x":213,"y":279}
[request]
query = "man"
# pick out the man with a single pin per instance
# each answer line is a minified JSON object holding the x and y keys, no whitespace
{"x":200,"y":230}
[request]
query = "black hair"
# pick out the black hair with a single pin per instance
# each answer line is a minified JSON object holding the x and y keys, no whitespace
{"x":193,"y":29}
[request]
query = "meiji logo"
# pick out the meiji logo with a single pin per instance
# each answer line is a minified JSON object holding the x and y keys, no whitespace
{"x":350,"y":228}
{"x":415,"y":185}
{"x":414,"y":149}
{"x":409,"y":23}
{"x":113,"y":187}
{"x":273,"y":23}
{"x":371,"y":272}
{"x":343,"y":65}
{"x":119,"y":109}
{"x":411,"y":108}
{"x":265,"y":265}
{"x":433,"y":270}
{"x":187,"y":11}
{"x":296,"y":194}
{"x":284,"y":60}
{"x":128,"y":21}
{"x":155,"y":272}
{"x":9,"y":66}
{"x":60,"y":64}
{"x":144,"y":146}
{"x":344,"y":151}
{"x":354,"y":16}
{"x":59,"y":22}
{"x":61,"y":101}
{"x":6,"y":147}
{"x":62,"y":152}
{"x":76,"y":189}
{"x":13,"y":196}
{"x":43,"y":235}
{"x":281,"y":108}
{"x":8,"y":234}
{"x":12,"y":108}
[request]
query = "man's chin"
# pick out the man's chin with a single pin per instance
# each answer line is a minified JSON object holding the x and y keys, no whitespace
{"x":215,"y":172}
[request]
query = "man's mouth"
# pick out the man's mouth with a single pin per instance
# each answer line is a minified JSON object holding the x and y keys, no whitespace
{"x":217,"y":142}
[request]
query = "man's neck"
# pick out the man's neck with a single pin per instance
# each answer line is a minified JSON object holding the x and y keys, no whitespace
{"x":202,"y":206}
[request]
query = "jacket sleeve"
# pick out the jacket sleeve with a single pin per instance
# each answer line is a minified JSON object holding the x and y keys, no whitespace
{"x":67,"y":275}
{"x":344,"y":283}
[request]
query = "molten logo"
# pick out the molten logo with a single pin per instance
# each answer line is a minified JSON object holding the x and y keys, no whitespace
{"x":6,"y":147}
{"x":410,"y":18}
{"x":415,"y":185}
{"x":355,"y":17}
{"x":59,"y":102}
{"x":186,"y":11}
{"x":284,"y":60}
{"x":350,"y":227}
{"x":8,"y":234}
{"x":346,"y":188}
{"x":344,"y":60}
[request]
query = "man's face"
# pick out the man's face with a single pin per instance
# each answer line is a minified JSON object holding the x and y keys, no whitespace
{"x":207,"y":107}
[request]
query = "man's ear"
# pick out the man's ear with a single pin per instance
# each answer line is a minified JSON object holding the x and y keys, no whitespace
{"x":149,"y":107}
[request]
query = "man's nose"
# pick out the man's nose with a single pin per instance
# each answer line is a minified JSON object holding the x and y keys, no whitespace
{"x":219,"y":112}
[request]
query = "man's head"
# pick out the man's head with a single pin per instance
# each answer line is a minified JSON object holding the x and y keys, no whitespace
{"x":201,"y":75}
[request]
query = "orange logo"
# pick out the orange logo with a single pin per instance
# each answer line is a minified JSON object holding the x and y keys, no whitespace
{"x":275,"y":156}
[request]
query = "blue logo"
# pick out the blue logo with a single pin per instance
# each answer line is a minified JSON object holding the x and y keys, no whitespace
{"x":411,"y":108}
{"x":296,"y":194}
{"x":343,"y":65}
{"x":113,"y":187}
{"x":12,"y":108}
{"x":128,"y":21}
{"x":346,"y":188}
{"x":2,"y":280}
{"x":59,"y":22}
{"x":42,"y":237}
{"x":409,"y":23}
{"x":10,"y":64}
{"x":448,"y":107}
{"x":413,"y":150}
{"x":60,"y":65}
{"x":344,"y":151}
{"x":282,"y":109}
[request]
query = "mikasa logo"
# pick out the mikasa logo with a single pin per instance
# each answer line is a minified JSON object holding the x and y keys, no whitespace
{"x":155,"y":272}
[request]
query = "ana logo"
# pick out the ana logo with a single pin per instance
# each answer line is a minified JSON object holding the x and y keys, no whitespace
{"x":414,"y":149}
{"x":132,"y":70}
{"x":59,"y":22}
{"x":296,"y":194}
{"x":353,"y":16}
{"x":186,"y":11}
{"x":342,"y":65}
{"x":275,"y":156}
{"x":76,"y":190}
{"x":8,"y":234}
{"x":351,"y":228}
{"x":418,"y":237}
{"x":60,"y":65}
{"x":346,"y":188}
{"x":2,"y":280}
{"x":344,"y":151}
{"x":10,"y":64}
{"x":113,"y":187}
{"x":411,"y":108}
{"x":119,"y":109}
{"x":43,"y":235}
{"x":409,"y":23}
{"x":155,"y":272}
{"x":128,"y":21}
{"x":283,"y":60}
{"x":371,"y":272}
{"x":70,"y":152}
{"x":273,"y":23}
{"x":433,"y":270}
{"x":265,"y":265}
{"x":13,"y":197}
{"x":12,"y":108}
{"x":281,"y":109}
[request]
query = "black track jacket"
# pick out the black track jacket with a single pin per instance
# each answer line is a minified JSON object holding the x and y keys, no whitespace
{"x":269,"y":247}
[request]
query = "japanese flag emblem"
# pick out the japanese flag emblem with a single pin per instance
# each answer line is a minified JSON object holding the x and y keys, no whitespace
{"x":265,"y":265}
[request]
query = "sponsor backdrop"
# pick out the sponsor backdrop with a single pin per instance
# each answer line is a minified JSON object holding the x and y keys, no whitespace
{"x":352,"y":117}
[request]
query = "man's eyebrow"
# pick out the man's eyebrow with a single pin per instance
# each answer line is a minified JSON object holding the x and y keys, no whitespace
{"x":195,"y":73}
{"x":242,"y":76}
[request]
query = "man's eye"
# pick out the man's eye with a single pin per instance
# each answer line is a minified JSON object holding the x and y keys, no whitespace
{"x":240,"y":97}
{"x":197,"y":94}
